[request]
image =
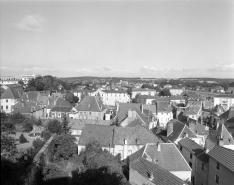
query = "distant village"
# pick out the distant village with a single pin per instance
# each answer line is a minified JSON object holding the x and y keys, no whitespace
{"x":166,"y":131}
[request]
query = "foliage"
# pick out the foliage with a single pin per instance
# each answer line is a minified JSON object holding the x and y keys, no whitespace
{"x":63,"y":147}
{"x":75,"y":99}
{"x":138,"y":99}
{"x":54,"y":126}
{"x":38,"y":143}
{"x":8,"y":147}
{"x":71,"y":98}
{"x":22,"y":139}
{"x":129,"y":91}
{"x":20,"y":82}
{"x":165,"y":92}
{"x":38,"y":123}
{"x":27,"y":125}
{"x":17,"y":118}
{"x":45,"y":134}
{"x":65,"y":128}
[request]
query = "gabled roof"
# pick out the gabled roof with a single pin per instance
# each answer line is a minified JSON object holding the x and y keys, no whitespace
{"x":228,"y":114}
{"x":191,"y":146}
{"x":168,"y":157}
{"x":61,"y":102}
{"x":90,"y":103}
{"x":111,"y":135}
{"x":10,"y":93}
{"x":224,"y":156}
{"x":123,"y":110}
{"x":61,"y":109}
{"x":161,"y":176}
{"x":23,"y":107}
{"x":179,"y":131}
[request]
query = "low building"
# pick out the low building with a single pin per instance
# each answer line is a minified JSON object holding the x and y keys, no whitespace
{"x":9,"y":98}
{"x":26,"y":78}
{"x":165,"y":155}
{"x":164,"y":113}
{"x":123,"y":140}
{"x":221,"y":166}
{"x":7,"y":80}
{"x":176,"y":91}
{"x":62,"y":108}
{"x":225,"y":100}
{"x":144,"y":172}
{"x":149,"y":92}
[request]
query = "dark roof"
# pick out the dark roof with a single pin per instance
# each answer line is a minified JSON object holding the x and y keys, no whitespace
{"x":10,"y":93}
{"x":123,"y":109}
{"x":143,"y":118}
{"x":228,"y":114}
{"x":61,"y":109}
{"x":90,"y":103}
{"x":203,"y":157}
{"x":161,"y":176}
{"x":224,"y":96}
{"x":169,"y":157}
{"x":223,"y":155}
{"x":115,"y":135}
{"x":61,"y":102}
{"x":191,"y":146}
{"x":179,"y":130}
{"x":163,"y":107}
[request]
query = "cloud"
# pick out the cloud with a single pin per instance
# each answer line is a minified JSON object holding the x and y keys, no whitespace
{"x":30,"y":23}
{"x":108,"y":69}
{"x":221,"y":67}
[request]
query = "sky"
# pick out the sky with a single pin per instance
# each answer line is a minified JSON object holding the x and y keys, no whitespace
{"x":124,"y":38}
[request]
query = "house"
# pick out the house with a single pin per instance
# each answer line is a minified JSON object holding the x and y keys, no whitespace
{"x":165,"y":155}
{"x":9,"y":98}
{"x":122,"y":109}
{"x":176,"y":91}
{"x":221,"y":166}
{"x":193,"y":110}
{"x":148,"y":99}
{"x":142,"y":172}
{"x":177,"y":99}
{"x":27,"y":77}
{"x":6,"y":80}
{"x":91,"y":107}
{"x":202,"y":169}
{"x":164,"y":113}
{"x":225,"y":100}
{"x":62,"y":108}
{"x":230,"y":90}
{"x":176,"y":131}
{"x":190,"y":150}
{"x":123,"y":140}
{"x":149,"y":92}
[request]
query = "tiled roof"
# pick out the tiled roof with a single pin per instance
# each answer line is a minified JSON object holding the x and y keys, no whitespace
{"x":223,"y":155}
{"x":191,"y":146}
{"x":141,"y":90}
{"x":113,"y":91}
{"x":161,"y":176}
{"x":224,"y":96}
{"x":90,"y":103}
{"x":10,"y":93}
{"x":228,"y":114}
{"x":60,"y":102}
{"x":42,"y":99}
{"x":143,"y":118}
{"x":61,"y":109}
{"x":177,"y":98}
{"x":32,"y":95}
{"x":123,"y":109}
{"x":115,"y":135}
{"x":26,"y":109}
{"x":163,"y":107}
{"x":152,"y":108}
{"x":168,"y":157}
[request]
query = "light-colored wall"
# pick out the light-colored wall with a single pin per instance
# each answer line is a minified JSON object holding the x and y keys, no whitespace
{"x":176,"y":91}
{"x":10,"y":103}
{"x":164,"y":118}
{"x":183,"y":175}
{"x":150,"y":93}
{"x":226,"y":176}
{"x":219,"y":100}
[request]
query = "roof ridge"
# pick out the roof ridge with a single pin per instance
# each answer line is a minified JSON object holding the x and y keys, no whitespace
{"x":97,"y":103}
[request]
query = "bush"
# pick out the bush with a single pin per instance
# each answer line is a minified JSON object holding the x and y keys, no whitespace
{"x":54,"y":126}
{"x":28,"y":127}
{"x":38,"y":123}
{"x":45,"y":134}
{"x":38,"y":144}
{"x":22,"y":139}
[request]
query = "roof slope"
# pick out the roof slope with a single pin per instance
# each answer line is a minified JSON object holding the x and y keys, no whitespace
{"x":60,"y":102}
{"x":228,"y":114}
{"x":169,"y":157}
{"x":161,"y":176}
{"x":163,"y":107}
{"x":229,"y":124}
{"x":32,"y":95}
{"x":10,"y":93}
{"x":192,"y":146}
{"x":123,"y":109}
{"x":223,"y":155}
{"x":111,"y":135}
{"x":90,"y":103}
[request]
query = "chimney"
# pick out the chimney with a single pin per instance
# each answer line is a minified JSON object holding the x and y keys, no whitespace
{"x":207,"y":150}
{"x":151,"y":176}
{"x":169,"y":127}
{"x":125,"y":141}
{"x":221,"y":142}
{"x":192,"y":126}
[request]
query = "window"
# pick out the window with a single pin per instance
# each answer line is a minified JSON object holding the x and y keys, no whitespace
{"x":6,"y":107}
{"x":191,"y":155}
{"x":190,"y":164}
{"x":180,"y":148}
{"x":89,"y":113}
{"x":202,"y":166}
{"x":217,"y":166}
{"x":1,"y":107}
{"x":6,"y":100}
{"x":217,"y":179}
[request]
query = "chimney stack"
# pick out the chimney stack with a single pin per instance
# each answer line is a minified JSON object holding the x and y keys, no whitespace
{"x":221,"y":142}
{"x":151,"y":176}
{"x":169,"y":127}
{"x":158,"y":147}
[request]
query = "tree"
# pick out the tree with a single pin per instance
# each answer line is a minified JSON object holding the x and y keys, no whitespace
{"x":22,"y":139}
{"x":75,"y":99}
{"x":20,"y":82}
{"x":27,"y":126}
{"x":165,"y":92}
{"x":38,"y":144}
{"x":63,"y":147}
{"x":8,"y":147}
{"x":38,"y":122}
{"x":66,"y":129}
{"x":54,"y":126}
{"x":53,"y":171}
{"x":45,"y":134}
